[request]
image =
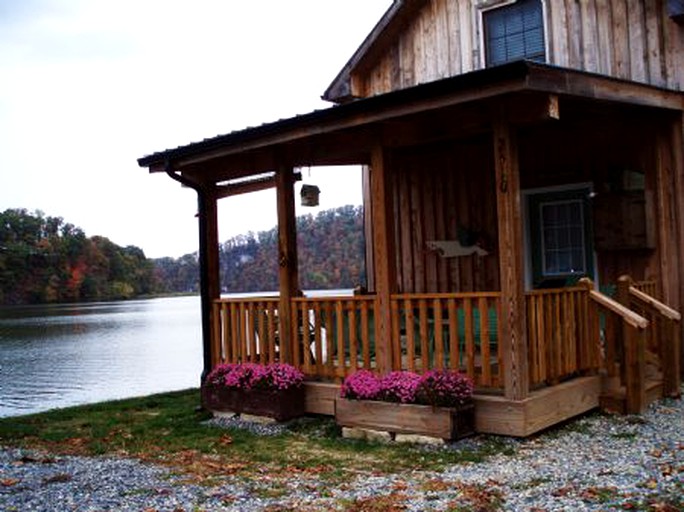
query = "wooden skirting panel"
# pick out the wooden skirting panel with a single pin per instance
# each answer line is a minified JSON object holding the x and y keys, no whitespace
{"x":320,"y":397}
{"x":542,"y":409}
{"x":496,"y":414}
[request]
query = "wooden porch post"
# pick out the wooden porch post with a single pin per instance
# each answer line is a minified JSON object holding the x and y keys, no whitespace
{"x":210,"y":287}
{"x":678,"y":150}
{"x":384,"y":256}
{"x":288,"y":270}
{"x":513,"y":317}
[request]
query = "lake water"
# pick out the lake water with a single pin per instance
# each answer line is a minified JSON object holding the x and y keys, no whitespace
{"x":69,"y":354}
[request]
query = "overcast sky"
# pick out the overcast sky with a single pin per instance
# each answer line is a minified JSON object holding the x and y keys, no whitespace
{"x":89,"y":86}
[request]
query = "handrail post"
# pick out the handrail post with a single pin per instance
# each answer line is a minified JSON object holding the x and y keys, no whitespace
{"x":591,"y":332}
{"x":671,"y":357}
{"x":635,"y":374}
{"x":634,"y":354}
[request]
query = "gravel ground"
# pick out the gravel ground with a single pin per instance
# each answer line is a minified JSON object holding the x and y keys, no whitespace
{"x":595,"y":463}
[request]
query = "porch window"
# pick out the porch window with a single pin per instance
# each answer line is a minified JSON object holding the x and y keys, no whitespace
{"x":514,"y":32}
{"x":562,"y":238}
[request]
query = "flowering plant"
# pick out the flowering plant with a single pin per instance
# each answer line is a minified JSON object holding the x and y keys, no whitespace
{"x":445,"y":388}
{"x":247,"y":376}
{"x":440,"y":388}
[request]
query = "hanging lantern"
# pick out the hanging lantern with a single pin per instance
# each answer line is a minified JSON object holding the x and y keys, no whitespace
{"x":309,"y":195}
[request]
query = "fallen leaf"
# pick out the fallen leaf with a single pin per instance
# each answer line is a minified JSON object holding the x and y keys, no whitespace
{"x":9,"y":482}
{"x":58,"y":478}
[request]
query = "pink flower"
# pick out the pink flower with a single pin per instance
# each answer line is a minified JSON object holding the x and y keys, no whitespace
{"x":400,"y":386}
{"x":445,"y":388}
{"x":246,"y":376}
{"x":362,"y":385}
{"x":441,"y":388}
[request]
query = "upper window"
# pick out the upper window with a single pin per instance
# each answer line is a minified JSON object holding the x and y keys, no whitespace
{"x":514,"y":32}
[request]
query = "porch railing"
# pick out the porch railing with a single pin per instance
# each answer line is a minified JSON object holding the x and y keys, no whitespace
{"x":571,"y":331}
{"x":662,"y":347}
{"x":334,"y":336}
{"x":245,"y":330}
{"x":622,"y":335}
{"x":559,"y":345}
{"x":460,"y":331}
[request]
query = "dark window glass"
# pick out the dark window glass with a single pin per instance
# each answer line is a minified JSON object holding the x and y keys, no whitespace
{"x":514,"y":32}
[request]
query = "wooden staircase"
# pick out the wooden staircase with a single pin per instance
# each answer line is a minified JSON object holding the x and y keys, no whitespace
{"x":641,"y":361}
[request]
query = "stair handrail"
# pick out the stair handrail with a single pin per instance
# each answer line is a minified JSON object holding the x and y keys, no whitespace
{"x":627,"y":315}
{"x":663,"y":309}
{"x":633,"y":347}
{"x":665,"y":330}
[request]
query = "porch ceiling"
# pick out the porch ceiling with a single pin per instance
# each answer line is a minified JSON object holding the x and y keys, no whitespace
{"x":448,"y":108}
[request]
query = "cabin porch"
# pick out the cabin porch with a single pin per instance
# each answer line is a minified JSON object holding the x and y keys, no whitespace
{"x":584,"y":349}
{"x":461,"y":177}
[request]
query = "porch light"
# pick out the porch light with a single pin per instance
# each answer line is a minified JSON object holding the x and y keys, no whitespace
{"x":309,"y":195}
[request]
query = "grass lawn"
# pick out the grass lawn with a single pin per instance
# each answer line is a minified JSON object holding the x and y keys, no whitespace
{"x":168,"y":429}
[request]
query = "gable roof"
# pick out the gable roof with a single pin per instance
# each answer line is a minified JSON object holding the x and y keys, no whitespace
{"x":385,"y":31}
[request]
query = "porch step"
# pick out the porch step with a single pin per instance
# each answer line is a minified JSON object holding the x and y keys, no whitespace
{"x":613,"y":399}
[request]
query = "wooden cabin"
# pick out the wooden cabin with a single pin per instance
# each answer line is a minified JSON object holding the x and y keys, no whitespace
{"x":524,"y":185}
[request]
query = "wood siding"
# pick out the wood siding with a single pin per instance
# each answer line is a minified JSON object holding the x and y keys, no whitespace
{"x":438,"y":188}
{"x":628,"y":39}
{"x":441,"y":187}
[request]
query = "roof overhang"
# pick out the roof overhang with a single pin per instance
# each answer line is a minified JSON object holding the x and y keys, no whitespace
{"x":385,"y":32}
{"x":346,"y":134}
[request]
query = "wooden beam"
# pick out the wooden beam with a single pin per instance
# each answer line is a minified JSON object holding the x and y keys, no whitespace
{"x":288,"y":272}
{"x":210,"y":286}
{"x":248,"y":186}
{"x":368,"y":226}
{"x":513,"y":317}
{"x":678,"y":169}
{"x":384,"y":255}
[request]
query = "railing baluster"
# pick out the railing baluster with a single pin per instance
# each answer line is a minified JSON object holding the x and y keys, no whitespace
{"x":438,"y":360}
{"x":318,"y":338}
{"x":410,"y":334}
{"x":365,"y":336}
{"x":469,"y":338}
{"x":484,"y":341}
{"x":454,"y":349}
{"x":424,"y":335}
{"x":341,"y":342}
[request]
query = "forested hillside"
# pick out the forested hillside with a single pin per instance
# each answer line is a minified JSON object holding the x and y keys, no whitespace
{"x":45,"y":259}
{"x":331,"y":256}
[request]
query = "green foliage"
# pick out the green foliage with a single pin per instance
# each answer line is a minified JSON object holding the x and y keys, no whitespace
{"x":330,"y":247}
{"x":331,"y":256}
{"x":44,"y":259}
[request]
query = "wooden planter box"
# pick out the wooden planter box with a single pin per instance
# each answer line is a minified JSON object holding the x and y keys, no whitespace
{"x":280,"y":405}
{"x":441,"y":422}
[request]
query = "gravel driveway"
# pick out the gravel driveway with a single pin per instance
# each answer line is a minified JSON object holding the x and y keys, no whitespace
{"x":595,"y":463}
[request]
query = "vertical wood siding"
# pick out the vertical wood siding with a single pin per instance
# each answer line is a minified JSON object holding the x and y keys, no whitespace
{"x":629,"y":39}
{"x":436,"y":190}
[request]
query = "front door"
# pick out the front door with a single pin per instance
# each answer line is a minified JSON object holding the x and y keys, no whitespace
{"x":560,"y":237}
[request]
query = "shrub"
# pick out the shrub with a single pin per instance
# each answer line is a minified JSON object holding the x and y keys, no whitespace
{"x":400,"y":387}
{"x":362,"y":385}
{"x":246,"y":376}
{"x":439,"y":388}
{"x":445,"y":388}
